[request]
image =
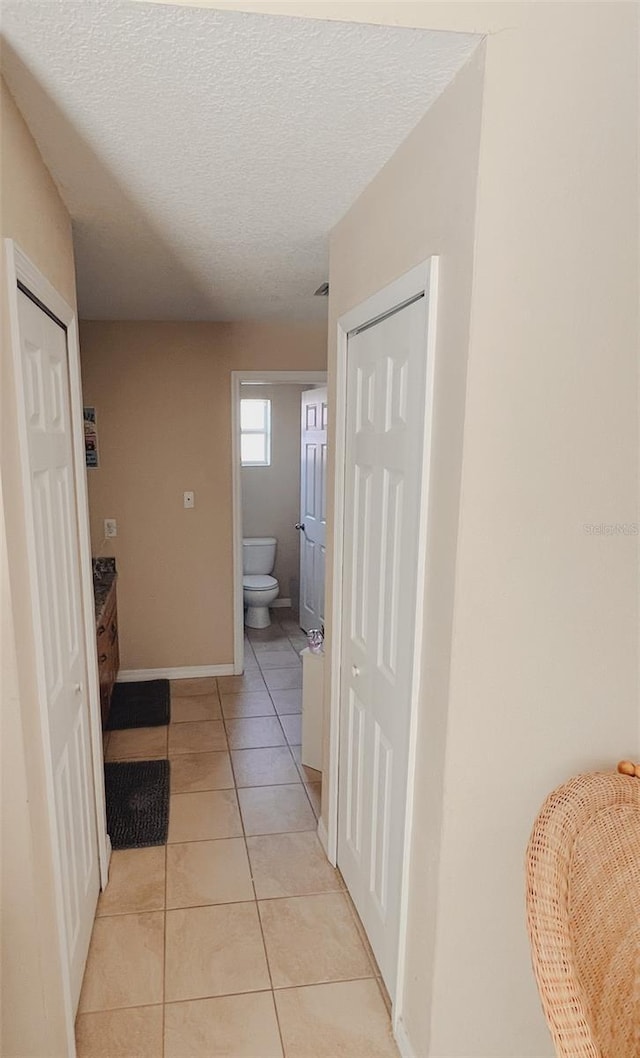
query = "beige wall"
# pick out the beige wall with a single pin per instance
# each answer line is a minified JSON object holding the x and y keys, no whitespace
{"x":543,"y":651}
{"x":271,"y":495}
{"x":423,"y":203}
{"x":163,"y":397}
{"x":544,"y":644}
{"x":543,"y":673}
{"x":31,"y":1017}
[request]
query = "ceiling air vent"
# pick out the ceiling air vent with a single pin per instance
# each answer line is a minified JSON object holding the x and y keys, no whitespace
{"x":322,"y":291}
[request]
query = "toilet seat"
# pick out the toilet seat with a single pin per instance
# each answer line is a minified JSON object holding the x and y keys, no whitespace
{"x":259,"y":582}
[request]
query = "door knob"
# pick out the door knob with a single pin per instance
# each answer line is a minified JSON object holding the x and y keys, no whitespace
{"x":78,"y":688}
{"x":299,"y":525}
{"x":355,"y":671}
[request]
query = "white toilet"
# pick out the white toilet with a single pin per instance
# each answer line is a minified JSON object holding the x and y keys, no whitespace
{"x":259,"y":589}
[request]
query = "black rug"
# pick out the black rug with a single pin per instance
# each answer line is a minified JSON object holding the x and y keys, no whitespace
{"x":140,"y":704}
{"x":137,"y":795}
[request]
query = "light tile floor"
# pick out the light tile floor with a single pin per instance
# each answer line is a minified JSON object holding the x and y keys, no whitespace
{"x":238,"y":938}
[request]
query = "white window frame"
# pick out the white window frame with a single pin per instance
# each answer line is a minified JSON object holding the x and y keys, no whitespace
{"x":264,"y":432}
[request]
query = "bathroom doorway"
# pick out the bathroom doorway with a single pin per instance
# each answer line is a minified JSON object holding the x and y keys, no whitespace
{"x":267,"y":456}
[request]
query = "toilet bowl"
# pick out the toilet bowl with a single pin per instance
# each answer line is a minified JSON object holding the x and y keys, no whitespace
{"x":259,"y":588}
{"x":259,"y":592}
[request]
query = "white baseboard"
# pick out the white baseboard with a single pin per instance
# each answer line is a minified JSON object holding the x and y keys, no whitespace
{"x":187,"y":672}
{"x":323,"y":836}
{"x":403,"y":1041}
{"x":281,"y":603}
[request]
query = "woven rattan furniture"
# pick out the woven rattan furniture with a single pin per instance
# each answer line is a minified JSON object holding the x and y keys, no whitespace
{"x":583,"y":910}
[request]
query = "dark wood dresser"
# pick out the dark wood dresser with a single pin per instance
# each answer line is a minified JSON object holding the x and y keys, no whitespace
{"x":104,"y":588}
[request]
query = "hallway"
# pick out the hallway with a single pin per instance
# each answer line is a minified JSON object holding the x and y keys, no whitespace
{"x":237,"y":938}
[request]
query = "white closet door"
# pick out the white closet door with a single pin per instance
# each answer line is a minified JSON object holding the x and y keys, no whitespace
{"x":58,"y":608}
{"x":384,"y":446}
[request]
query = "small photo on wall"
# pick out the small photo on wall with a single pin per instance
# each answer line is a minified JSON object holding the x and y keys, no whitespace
{"x":90,"y":437}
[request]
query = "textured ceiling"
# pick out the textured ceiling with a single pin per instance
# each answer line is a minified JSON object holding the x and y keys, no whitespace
{"x":204,"y":155}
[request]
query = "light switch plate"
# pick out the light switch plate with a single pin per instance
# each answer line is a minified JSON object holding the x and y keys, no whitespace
{"x":110,"y":528}
{"x":189,"y":500}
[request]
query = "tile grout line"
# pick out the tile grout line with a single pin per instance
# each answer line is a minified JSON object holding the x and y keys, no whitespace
{"x":386,"y":999}
{"x":223,"y":903}
{"x":267,"y":834}
{"x":164,"y":951}
{"x":287,"y":744}
{"x":356,"y":920}
{"x":339,"y":890}
{"x":362,"y":933}
{"x":255,"y":900}
{"x":264,"y":942}
{"x":166,"y":882}
{"x":302,"y":780}
{"x":228,"y":995}
{"x":298,"y":767}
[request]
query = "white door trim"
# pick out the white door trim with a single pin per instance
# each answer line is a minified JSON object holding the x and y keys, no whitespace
{"x":423,"y":279}
{"x":271,"y":378}
{"x":20,"y":268}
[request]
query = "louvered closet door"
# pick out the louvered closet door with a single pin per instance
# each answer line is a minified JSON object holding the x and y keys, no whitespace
{"x":59,"y":616}
{"x":385,"y":427}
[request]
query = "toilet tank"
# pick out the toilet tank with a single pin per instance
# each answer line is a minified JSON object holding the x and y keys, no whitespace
{"x":258,"y":554}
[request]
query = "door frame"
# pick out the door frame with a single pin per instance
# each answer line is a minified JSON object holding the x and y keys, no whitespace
{"x":267,"y":378}
{"x":19,"y":268}
{"x":423,"y":279}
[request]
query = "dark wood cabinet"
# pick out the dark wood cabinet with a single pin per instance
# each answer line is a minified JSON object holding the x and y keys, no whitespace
{"x":108,"y":653}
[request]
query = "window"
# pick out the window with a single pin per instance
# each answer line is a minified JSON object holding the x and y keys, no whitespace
{"x":255,"y":433}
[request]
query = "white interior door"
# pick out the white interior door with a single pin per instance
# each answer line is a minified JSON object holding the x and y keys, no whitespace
{"x":57,"y":603}
{"x":313,"y":507}
{"x":385,"y":423}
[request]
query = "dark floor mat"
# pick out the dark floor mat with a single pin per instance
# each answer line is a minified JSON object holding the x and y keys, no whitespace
{"x":140,"y":704}
{"x":137,"y":796}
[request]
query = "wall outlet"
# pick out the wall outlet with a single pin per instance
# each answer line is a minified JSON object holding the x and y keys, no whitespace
{"x":189,"y":500}
{"x":110,"y":528}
